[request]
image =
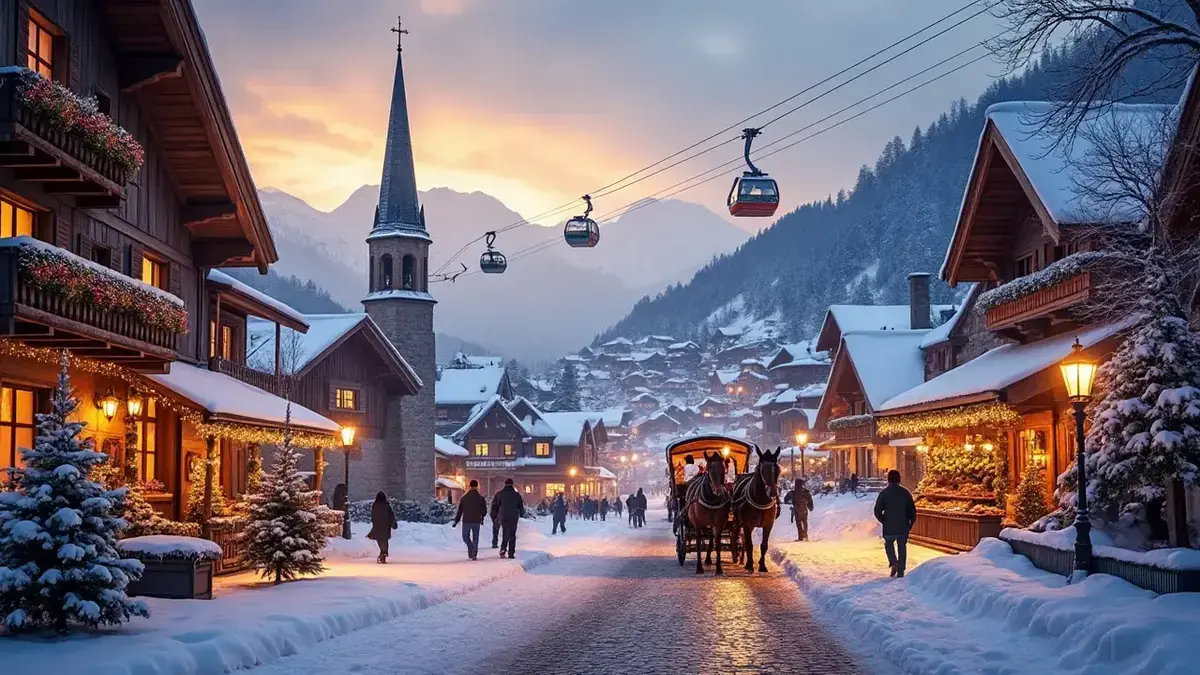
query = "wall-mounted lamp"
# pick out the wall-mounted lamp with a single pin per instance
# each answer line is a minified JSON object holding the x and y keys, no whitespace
{"x":107,"y":404}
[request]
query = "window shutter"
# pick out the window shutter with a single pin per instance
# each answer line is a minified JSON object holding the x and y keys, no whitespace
{"x":71,"y":51}
{"x":332,"y":397}
{"x":133,"y":260}
{"x":174,"y":285}
{"x":116,"y":256}
{"x":83,"y":246}
{"x":62,"y":233}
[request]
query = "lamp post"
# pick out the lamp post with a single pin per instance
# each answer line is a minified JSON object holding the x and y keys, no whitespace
{"x":801,"y":442}
{"x":1078,"y":375}
{"x":347,"y":443}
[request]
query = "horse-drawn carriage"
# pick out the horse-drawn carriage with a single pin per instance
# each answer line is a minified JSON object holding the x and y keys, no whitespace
{"x":720,"y":498}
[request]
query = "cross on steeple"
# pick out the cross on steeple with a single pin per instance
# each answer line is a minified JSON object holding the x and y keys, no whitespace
{"x":400,"y":32}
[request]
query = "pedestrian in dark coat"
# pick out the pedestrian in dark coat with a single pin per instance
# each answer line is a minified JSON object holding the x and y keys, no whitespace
{"x":894,"y":508}
{"x":642,"y":504}
{"x":631,"y":506}
{"x":558,"y":510}
{"x":603,"y":508}
{"x":854,"y":482}
{"x":496,"y":520}
{"x":472,"y":509}
{"x":616,"y":505}
{"x":383,"y":521}
{"x":511,"y":510}
{"x":802,"y":503}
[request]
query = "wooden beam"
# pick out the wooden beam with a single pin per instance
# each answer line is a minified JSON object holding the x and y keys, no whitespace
{"x":135,"y":71}
{"x":199,"y":214}
{"x":99,"y":202}
{"x":47,"y":174}
{"x":79,"y":187}
{"x":217,"y":252}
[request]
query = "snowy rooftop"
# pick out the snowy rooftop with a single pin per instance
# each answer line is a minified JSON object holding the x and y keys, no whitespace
{"x":614,"y":416}
{"x":324,"y":330}
{"x":713,"y":400}
{"x":619,"y":341}
{"x":1050,"y":165}
{"x":683,"y":345}
{"x":645,"y":397}
{"x":448,"y":448}
{"x":569,"y":426}
{"x":468,"y":385}
{"x":227,"y":399}
{"x":479,"y":412}
{"x":941,"y":333}
{"x":997,"y":369}
{"x":887,"y":362}
{"x":727,"y":376}
{"x":219,"y":277}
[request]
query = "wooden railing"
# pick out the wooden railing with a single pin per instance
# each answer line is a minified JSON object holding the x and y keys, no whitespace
{"x":239,"y":371}
{"x":1157,"y":579}
{"x":226,"y":534}
{"x":1059,"y":296}
{"x":952,"y":532}
{"x":16,"y":293}
{"x":53,"y":140}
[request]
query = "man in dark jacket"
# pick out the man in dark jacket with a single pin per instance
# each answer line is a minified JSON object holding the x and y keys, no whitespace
{"x":558,"y":511}
{"x":496,"y":519}
{"x":631,"y":506}
{"x":511,"y":508}
{"x":641,"y":505}
{"x":895,"y":509}
{"x":603,"y":508}
{"x":472,"y":508}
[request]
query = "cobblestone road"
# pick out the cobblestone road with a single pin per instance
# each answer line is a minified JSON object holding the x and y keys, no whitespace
{"x":630,"y":609}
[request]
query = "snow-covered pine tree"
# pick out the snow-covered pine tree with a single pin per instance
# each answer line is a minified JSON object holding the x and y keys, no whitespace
{"x":58,"y":529}
{"x":1030,"y":502}
{"x":1145,"y":413}
{"x":284,"y":537}
{"x":566,"y":390}
{"x":195,"y":503}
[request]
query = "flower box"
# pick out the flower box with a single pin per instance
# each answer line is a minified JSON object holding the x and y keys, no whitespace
{"x":953,"y":532}
{"x":176,"y":567}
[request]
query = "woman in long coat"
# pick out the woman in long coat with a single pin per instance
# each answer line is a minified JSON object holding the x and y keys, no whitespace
{"x":383,"y":521}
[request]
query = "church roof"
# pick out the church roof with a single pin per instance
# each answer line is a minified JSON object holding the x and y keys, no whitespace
{"x":399,"y":212}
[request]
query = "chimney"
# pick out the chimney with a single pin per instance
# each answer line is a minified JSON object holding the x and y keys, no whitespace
{"x":918,"y":301}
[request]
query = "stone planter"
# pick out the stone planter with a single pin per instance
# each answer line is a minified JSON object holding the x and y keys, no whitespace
{"x":176,"y":579}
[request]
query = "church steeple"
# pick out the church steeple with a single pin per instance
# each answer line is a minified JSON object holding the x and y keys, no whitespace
{"x":399,"y":207}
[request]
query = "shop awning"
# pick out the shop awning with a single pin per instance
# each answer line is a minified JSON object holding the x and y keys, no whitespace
{"x":987,"y":377}
{"x":225,"y":399}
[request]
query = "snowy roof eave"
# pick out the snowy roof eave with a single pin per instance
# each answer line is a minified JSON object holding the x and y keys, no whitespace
{"x":255,"y":302}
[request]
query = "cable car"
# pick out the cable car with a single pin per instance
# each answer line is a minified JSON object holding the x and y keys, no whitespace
{"x":754,"y":193}
{"x":582,"y":231}
{"x":492,"y":262}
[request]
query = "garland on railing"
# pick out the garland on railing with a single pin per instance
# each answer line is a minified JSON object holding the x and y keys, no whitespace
{"x":990,"y":414}
{"x":849,"y":421}
{"x":1053,"y":274}
{"x":62,"y":273}
{"x":245,"y":433}
{"x":80,"y":117}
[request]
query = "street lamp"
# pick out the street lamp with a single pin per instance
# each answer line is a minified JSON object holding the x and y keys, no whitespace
{"x":1078,"y":375}
{"x":801,"y":442}
{"x":347,"y":443}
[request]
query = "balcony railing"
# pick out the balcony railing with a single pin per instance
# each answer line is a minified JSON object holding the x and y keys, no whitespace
{"x":1042,"y":302}
{"x":41,"y":315}
{"x":241,"y":372}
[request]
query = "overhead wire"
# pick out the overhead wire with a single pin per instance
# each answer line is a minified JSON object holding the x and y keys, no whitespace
{"x":612,"y":187}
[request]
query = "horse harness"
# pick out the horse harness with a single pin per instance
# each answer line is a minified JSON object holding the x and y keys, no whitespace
{"x":744,"y":494}
{"x":701,"y":490}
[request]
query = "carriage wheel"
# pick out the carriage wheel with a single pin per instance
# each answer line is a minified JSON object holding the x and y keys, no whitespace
{"x":681,"y":543}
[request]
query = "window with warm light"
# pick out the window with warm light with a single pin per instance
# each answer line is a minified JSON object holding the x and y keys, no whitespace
{"x":154,"y":272}
{"x":541,"y":450}
{"x":345,"y":399}
{"x":39,"y":48}
{"x":17,"y":425}
{"x":15,"y":221}
{"x":552,"y":489}
{"x":508,"y":450}
{"x":481,"y":449}
{"x":147,"y":443}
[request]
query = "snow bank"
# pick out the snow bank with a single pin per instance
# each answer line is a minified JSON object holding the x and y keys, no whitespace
{"x":250,"y":622}
{"x":160,"y":546}
{"x":1103,"y":545}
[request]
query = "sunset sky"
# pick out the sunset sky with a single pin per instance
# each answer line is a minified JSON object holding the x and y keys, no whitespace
{"x":538,"y":101}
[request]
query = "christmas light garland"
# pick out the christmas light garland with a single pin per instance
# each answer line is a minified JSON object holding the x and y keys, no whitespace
{"x":849,"y":421}
{"x":990,"y":414}
{"x":61,"y":273}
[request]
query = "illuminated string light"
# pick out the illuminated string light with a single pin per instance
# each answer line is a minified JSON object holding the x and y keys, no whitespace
{"x":991,"y":414}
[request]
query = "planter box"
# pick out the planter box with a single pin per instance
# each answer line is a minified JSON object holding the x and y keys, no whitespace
{"x":1157,"y":579}
{"x":953,"y":532}
{"x":175,"y":579}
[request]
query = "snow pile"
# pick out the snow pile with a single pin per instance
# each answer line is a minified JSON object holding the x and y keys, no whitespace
{"x":1104,"y":546}
{"x":843,"y":517}
{"x":164,"y":546}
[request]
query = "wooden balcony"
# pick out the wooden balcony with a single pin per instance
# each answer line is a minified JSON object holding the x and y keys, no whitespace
{"x":1041,"y":305}
{"x":43,"y":318}
{"x":61,"y":163}
{"x":239,"y":371}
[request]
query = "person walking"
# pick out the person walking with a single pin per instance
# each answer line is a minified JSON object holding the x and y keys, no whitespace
{"x":511,"y":510}
{"x":616,"y":505}
{"x":894,"y":508}
{"x":854,"y":483}
{"x":642,"y":504}
{"x":558,"y":511}
{"x":603,"y":508}
{"x":383,"y":521}
{"x":472,"y":509}
{"x":802,"y":503}
{"x":495,"y":513}
{"x":631,"y":507}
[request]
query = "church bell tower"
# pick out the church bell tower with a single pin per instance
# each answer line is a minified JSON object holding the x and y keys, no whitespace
{"x":398,"y":300}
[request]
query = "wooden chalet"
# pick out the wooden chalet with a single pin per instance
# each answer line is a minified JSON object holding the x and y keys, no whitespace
{"x":449,"y":468}
{"x":645,"y":402}
{"x":147,"y":223}
{"x":787,"y":412}
{"x":459,"y":390}
{"x":657,"y":424}
{"x":345,"y":369}
{"x":634,"y":380}
{"x":797,"y":365}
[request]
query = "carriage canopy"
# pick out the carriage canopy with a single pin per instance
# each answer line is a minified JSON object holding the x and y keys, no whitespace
{"x":699,"y":446}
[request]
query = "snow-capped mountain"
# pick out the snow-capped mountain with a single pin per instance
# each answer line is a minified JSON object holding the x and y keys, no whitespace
{"x":547,"y":303}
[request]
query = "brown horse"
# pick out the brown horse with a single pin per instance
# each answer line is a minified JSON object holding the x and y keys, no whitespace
{"x":756,"y":504}
{"x":708,"y":507}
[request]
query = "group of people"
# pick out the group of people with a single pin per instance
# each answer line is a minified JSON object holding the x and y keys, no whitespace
{"x":636,"y":504}
{"x":506,"y":511}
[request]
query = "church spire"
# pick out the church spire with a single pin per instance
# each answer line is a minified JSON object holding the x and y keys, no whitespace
{"x":399,"y":209}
